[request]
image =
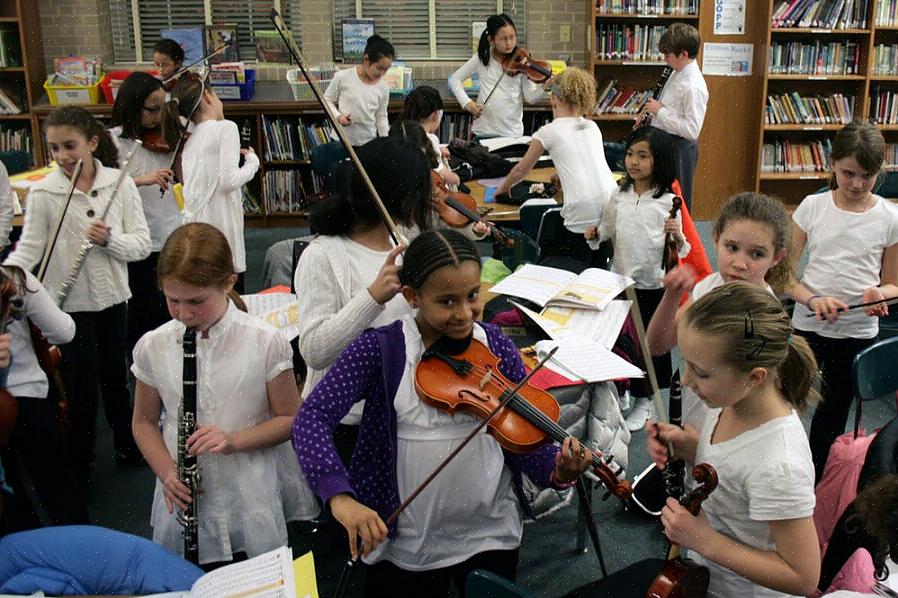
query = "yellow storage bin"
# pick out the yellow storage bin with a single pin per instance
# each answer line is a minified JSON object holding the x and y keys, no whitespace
{"x":74,"y":94}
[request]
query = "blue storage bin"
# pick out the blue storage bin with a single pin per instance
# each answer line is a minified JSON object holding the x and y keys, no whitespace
{"x":241,"y":91}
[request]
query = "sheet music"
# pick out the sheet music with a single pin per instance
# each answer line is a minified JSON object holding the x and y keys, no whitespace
{"x":586,"y":360}
{"x":536,"y":283}
{"x":281,"y":310}
{"x":600,"y":326}
{"x":258,"y":304}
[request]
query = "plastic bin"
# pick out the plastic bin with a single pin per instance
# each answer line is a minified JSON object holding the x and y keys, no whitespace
{"x":111,"y":84}
{"x":301,"y":88}
{"x":241,"y":91}
{"x":74,"y":94}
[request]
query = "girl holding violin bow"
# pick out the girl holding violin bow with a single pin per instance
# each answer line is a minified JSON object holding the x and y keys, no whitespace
{"x":468,"y":518}
{"x":137,"y":116}
{"x":497,"y":56}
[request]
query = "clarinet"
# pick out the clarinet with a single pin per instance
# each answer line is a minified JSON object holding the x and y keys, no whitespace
{"x":666,"y":72}
{"x":78,"y":263}
{"x":675,"y":472}
{"x":188,"y":470}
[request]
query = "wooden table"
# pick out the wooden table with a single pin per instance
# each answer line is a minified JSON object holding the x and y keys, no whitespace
{"x":506,"y":212}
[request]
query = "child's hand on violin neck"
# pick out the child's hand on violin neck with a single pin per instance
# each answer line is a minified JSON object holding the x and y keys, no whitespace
{"x":360,"y":522}
{"x":572,"y":460}
{"x":684,"y":529}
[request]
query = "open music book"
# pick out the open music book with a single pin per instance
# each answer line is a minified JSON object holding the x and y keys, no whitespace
{"x":271,"y":575}
{"x":591,"y":289}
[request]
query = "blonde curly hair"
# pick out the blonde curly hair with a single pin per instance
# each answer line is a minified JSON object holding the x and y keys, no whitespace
{"x":576,"y":88}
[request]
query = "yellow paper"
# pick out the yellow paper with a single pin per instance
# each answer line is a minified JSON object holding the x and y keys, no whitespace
{"x":178,"y":191}
{"x":304,"y":576}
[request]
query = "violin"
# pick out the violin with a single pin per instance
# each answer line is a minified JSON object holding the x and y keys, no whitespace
{"x":457,"y":209}
{"x":671,"y":253}
{"x":470,"y":381}
{"x":154,"y":141}
{"x":519,"y":61}
{"x":681,"y":577}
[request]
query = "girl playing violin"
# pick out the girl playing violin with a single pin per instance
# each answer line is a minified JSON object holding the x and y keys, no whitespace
{"x":359,"y":96}
{"x":468,"y":518}
{"x":503,"y":117}
{"x":347,"y":278}
{"x":168,"y":56}
{"x":575,"y":144}
{"x":755,"y":533}
{"x":136,"y":116}
{"x":213,"y":179}
{"x":852,"y":239}
{"x":98,"y":300}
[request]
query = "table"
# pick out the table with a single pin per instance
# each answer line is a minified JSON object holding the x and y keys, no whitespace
{"x":506,"y":212}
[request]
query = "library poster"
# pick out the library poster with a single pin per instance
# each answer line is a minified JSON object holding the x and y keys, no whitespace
{"x":190,"y":40}
{"x":270,"y":47}
{"x":729,"y":17}
{"x":355,"y":36}
{"x":727,"y":60}
{"x":218,"y":36}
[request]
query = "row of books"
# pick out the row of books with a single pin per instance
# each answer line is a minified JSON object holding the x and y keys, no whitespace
{"x":456,"y":125}
{"x":817,"y":58}
{"x":616,"y":41}
{"x":15,"y":139}
{"x":883,"y":106}
{"x":887,"y":13}
{"x":884,"y":59}
{"x":612,"y":99}
{"x":292,"y":139}
{"x":8,"y":105}
{"x":10,"y":50}
{"x":891,"y":162}
{"x":289,"y":191}
{"x":781,"y":155}
{"x":818,"y":109}
{"x":821,"y":14}
{"x":647,"y":7}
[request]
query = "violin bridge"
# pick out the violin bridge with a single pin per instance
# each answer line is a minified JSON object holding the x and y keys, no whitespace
{"x":486,"y":379}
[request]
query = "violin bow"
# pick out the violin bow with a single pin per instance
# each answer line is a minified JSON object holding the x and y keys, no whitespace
{"x":48,"y":251}
{"x":184,"y":69}
{"x":343,"y":583}
{"x":858,"y":306}
{"x":296,"y":53}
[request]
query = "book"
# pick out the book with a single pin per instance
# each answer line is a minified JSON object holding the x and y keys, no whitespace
{"x":218,"y":36}
{"x":591,"y":289}
{"x":355,"y":36}
{"x":191,"y":40}
{"x":270,"y":47}
{"x":273,"y":574}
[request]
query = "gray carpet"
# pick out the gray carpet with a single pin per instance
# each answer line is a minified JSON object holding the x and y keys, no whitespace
{"x":549,"y":565}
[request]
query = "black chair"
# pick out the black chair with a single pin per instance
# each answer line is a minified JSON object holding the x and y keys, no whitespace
{"x":325,"y":156}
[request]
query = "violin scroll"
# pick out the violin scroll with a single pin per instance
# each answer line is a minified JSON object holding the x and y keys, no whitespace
{"x":706,"y":477}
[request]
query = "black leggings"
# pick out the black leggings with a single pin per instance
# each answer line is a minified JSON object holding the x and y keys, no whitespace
{"x":386,"y":580}
{"x":835,"y":357}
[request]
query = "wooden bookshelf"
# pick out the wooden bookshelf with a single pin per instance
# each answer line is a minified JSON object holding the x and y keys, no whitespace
{"x":792,"y":187}
{"x":23,"y":83}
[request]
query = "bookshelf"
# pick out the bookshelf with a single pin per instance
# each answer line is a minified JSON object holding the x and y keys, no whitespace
{"x":823,"y":67}
{"x":22,"y":73}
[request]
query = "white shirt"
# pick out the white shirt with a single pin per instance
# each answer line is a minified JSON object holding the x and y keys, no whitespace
{"x":331,"y":282}
{"x":26,"y":378}
{"x":575,"y":145}
{"x":161,"y":210}
{"x":685,"y":99}
{"x":452,"y":518}
{"x":247,"y":496}
{"x":365,"y":103}
{"x":635,"y":225}
{"x":7,"y":203}
{"x":435,"y":143}
{"x":503,"y":115}
{"x":103,"y":281}
{"x":213,"y":183}
{"x":765,"y":474}
{"x":844,"y":258}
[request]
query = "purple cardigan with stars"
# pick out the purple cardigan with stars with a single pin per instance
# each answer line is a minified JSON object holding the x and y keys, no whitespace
{"x":371,"y":368}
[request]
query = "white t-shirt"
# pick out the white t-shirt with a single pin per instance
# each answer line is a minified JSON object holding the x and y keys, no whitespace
{"x":635,"y":226}
{"x":213,"y":182}
{"x":161,"y":210}
{"x":435,"y":143}
{"x":685,"y":99}
{"x":575,"y":145}
{"x":844,"y":258}
{"x":452,"y":519}
{"x":365,"y":103}
{"x":248,"y":496}
{"x":765,"y":474}
{"x":503,"y":115}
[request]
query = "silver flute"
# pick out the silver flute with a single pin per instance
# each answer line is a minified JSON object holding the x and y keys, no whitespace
{"x":188,"y":468}
{"x":86,"y":245}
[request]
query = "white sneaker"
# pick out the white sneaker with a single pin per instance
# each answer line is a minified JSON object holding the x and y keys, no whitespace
{"x":642,"y":411}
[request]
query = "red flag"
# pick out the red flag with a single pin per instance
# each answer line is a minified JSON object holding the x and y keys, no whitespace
{"x":697,"y":259}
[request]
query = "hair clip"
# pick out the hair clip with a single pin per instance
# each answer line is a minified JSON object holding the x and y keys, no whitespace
{"x":749,"y":334}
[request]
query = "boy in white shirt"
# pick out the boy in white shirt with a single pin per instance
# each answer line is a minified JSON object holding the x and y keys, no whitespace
{"x":680,"y":109}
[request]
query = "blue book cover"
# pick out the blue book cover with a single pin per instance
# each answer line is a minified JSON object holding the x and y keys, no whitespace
{"x":191,"y":41}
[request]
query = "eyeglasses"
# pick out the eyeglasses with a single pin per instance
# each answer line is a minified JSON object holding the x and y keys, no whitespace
{"x":152,"y":109}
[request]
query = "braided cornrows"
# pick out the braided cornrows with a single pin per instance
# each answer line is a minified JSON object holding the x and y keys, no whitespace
{"x":432,"y":250}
